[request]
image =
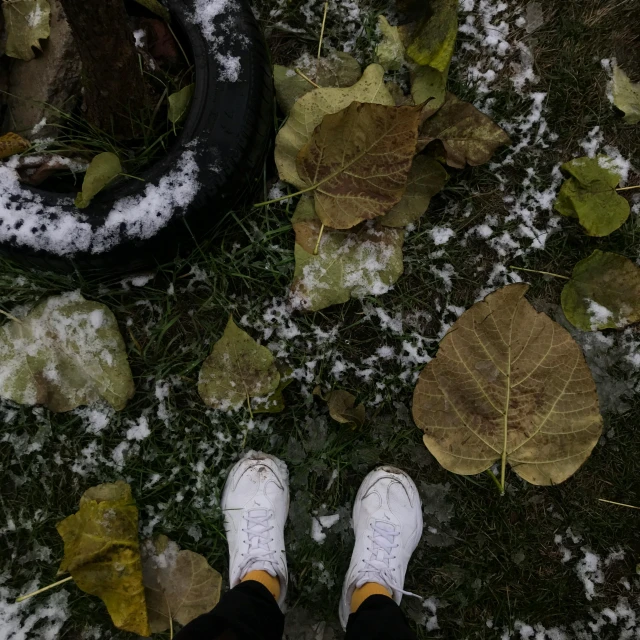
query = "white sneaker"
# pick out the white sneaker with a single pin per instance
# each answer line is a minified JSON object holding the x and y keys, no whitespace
{"x":387,"y":521}
{"x":255,"y":503}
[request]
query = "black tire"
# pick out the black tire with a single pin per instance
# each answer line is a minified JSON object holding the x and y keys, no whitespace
{"x":224,"y":141}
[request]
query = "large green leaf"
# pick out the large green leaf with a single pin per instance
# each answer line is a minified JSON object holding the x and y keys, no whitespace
{"x":102,"y":170}
{"x":102,"y":554}
{"x":65,"y":353}
{"x":626,"y":95}
{"x":364,"y":261}
{"x":468,"y":135}
{"x":426,"y":178}
{"x":336,"y":70}
{"x":27,"y":22}
{"x":308,"y":112}
{"x":237,"y":369}
{"x":603,"y":293}
{"x":508,"y":385}
{"x":179,"y":584}
{"x":590,"y":195}
{"x":432,"y":41}
{"x":358,"y":161}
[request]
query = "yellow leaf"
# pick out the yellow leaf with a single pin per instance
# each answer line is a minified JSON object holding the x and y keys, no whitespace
{"x":102,"y":170}
{"x":508,"y":385}
{"x":432,"y":42}
{"x":102,"y":554}
{"x":12,"y":143}
{"x":626,"y":95}
{"x":308,"y":112}
{"x":358,"y":161}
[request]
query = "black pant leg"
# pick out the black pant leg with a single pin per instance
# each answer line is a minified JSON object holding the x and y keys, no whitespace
{"x":378,"y":618}
{"x":247,"y":612}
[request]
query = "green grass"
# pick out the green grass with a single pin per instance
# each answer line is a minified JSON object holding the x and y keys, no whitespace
{"x":492,"y":557}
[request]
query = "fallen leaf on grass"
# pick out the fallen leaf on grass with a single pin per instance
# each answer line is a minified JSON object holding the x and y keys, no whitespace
{"x":27,"y":22}
{"x":12,"y":143}
{"x":102,"y":554}
{"x":468,"y":135}
{"x":390,"y":50}
{"x":508,"y":384}
{"x":308,"y":112}
{"x":626,"y":95}
{"x":179,"y":103}
{"x":603,"y":293}
{"x":426,"y":178}
{"x":589,"y":194}
{"x":342,"y":407}
{"x":336,"y":70}
{"x":65,"y":353}
{"x":275,"y":402}
{"x":102,"y":170}
{"x":364,"y":261}
{"x":358,"y":161}
{"x":237,"y":369}
{"x":428,"y":86}
{"x":431,"y":42}
{"x":178,"y":584}
{"x":155,"y":7}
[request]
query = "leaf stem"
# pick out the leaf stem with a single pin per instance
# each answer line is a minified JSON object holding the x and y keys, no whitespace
{"x":315,"y":251}
{"x":636,"y":186}
{"x":8,"y":315}
{"x":619,"y":504}
{"x":51,"y":586}
{"x":544,"y":273}
{"x":324,"y":22}
{"x":307,"y":78}
{"x":493,"y":477}
{"x":249,"y":406}
{"x":292,"y":195}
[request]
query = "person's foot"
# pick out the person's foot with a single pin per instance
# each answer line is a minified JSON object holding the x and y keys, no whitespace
{"x":387,"y":521}
{"x":255,"y":503}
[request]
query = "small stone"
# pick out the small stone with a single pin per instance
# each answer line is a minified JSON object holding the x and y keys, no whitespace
{"x":52,"y":78}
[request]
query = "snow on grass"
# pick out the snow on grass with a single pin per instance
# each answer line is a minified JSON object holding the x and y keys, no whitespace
{"x":320,"y":524}
{"x":34,"y":619}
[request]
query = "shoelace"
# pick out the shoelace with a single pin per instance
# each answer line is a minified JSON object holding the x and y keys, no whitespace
{"x":258,"y":538}
{"x":378,"y":567}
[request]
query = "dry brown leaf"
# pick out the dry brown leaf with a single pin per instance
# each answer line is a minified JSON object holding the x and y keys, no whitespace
{"x":510,"y":385}
{"x":178,"y":584}
{"x":358,"y":161}
{"x":308,"y":112}
{"x":12,"y":143}
{"x":342,"y":407}
{"x":468,"y":135}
